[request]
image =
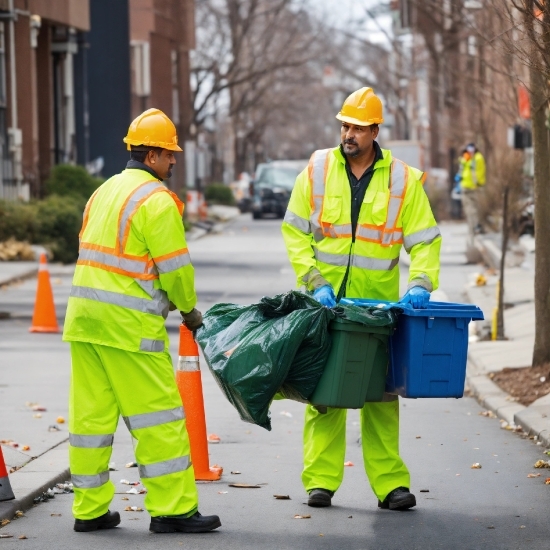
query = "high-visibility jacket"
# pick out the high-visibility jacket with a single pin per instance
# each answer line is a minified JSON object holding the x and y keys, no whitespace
{"x":395,"y":212}
{"x":133,"y":261}
{"x":472,"y":171}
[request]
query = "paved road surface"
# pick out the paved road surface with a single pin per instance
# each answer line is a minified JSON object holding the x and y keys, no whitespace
{"x":496,"y":507}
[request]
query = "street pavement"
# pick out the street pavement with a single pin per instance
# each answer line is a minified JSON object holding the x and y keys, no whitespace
{"x":496,"y":506}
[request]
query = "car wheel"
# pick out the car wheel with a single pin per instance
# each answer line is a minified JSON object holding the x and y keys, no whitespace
{"x":256,"y":215}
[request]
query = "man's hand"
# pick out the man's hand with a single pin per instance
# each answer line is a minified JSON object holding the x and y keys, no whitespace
{"x":325,"y":296}
{"x":417,"y":296}
{"x":192,"y":320}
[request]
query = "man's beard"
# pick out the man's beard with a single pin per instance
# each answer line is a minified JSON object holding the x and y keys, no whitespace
{"x":354,"y":152}
{"x":169,"y":175}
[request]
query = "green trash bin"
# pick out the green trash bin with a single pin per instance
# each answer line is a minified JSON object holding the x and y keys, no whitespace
{"x":356,"y":367}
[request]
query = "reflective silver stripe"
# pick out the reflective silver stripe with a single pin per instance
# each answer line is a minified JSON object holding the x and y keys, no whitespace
{"x":132,"y":266}
{"x":164,"y":468}
{"x":157,"y":295}
{"x":181,"y":260}
{"x":425,"y":236}
{"x":297,"y":221}
{"x":421,"y":280}
{"x":147,"y":344}
{"x":91,"y":441}
{"x":90,"y":482}
{"x":368,"y":233}
{"x":332,"y":259}
{"x":375,"y":264}
{"x":153,"y":307}
{"x":343,"y":229}
{"x":341,"y":260}
{"x":317,"y":163}
{"x":398,"y":183}
{"x":135,"y":197}
{"x":188,"y":363}
{"x":147,"y":420}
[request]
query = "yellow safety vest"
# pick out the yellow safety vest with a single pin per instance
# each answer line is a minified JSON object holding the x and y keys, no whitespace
{"x":133,"y":261}
{"x":395,"y":212}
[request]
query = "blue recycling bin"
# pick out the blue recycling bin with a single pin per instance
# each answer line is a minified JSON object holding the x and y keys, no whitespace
{"x":429,"y":348}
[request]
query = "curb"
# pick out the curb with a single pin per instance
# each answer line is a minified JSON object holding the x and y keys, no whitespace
{"x":41,"y":475}
{"x":20,"y":277}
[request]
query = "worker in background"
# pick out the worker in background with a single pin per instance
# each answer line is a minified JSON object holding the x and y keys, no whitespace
{"x":470,"y":177}
{"x":349,"y":214}
{"x":133,"y":267}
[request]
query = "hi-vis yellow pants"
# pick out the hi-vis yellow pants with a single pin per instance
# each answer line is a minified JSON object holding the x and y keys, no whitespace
{"x":108,"y":382}
{"x":325,"y":448}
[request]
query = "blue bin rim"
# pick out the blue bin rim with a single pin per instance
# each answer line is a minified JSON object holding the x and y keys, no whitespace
{"x":435,"y":309}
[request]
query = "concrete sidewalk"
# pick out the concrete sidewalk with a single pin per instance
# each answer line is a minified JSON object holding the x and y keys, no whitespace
{"x":487,"y":356}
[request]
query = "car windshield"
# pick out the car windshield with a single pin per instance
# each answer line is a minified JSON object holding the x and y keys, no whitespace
{"x":283,"y":177}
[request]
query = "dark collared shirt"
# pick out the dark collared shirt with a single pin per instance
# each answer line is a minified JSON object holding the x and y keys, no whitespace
{"x":135,"y":164}
{"x":359,"y":186}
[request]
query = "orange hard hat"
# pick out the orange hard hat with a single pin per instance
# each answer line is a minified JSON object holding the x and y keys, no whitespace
{"x":363,"y":107}
{"x":153,"y":129}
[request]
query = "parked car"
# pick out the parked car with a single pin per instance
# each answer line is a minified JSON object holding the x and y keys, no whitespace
{"x":272,"y":185}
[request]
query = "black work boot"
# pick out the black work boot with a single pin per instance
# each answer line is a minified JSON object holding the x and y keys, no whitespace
{"x":193,"y":524}
{"x":106,"y":521}
{"x":398,"y":499}
{"x":319,"y":498}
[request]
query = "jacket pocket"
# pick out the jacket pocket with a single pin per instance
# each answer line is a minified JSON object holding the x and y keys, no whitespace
{"x":380,"y":207}
{"x":332,"y":209}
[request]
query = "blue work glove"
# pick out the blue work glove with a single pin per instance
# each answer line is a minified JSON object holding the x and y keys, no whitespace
{"x":325,"y":296}
{"x":458,"y":178}
{"x":457,"y":189}
{"x":417,"y":296}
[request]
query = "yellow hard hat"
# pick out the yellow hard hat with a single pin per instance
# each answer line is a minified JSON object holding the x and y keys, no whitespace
{"x":363,"y":107}
{"x":153,"y":129}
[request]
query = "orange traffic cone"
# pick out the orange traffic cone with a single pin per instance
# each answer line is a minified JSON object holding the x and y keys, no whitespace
{"x":44,"y":319}
{"x":189,"y":380}
{"x":5,"y":488}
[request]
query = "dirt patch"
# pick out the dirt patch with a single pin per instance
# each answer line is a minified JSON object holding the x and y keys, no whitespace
{"x":526,"y":384}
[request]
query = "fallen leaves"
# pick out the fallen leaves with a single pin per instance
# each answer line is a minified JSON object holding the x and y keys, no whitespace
{"x":488,"y":414}
{"x":282,"y":497}
{"x":19,"y":514}
{"x":542,"y":464}
{"x":4,"y":522}
{"x":131,"y":465}
{"x":60,"y":420}
{"x":302,"y":516}
{"x":476,"y":466}
{"x":245,"y":486}
{"x":55,"y":515}
{"x":424,"y":490}
{"x":222,"y":492}
{"x":235,"y":472}
{"x":547,"y":481}
{"x":349,"y":463}
{"x":133,"y":509}
{"x":213,"y":438}
{"x":25,"y":448}
{"x":5,"y":536}
{"x":533,"y":475}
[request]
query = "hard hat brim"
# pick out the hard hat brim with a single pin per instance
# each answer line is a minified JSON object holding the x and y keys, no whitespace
{"x":358,"y":122}
{"x":169,"y":146}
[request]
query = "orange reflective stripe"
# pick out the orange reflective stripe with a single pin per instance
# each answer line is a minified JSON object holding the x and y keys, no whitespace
{"x":87,"y":213}
{"x":119,"y":271}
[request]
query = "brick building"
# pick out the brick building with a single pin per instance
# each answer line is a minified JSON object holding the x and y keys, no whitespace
{"x":39,"y":68}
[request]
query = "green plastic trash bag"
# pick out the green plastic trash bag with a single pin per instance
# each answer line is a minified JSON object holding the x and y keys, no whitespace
{"x":279,"y":345}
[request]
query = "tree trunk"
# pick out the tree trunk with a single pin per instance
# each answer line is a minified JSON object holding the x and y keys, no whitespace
{"x":539,"y":101}
{"x":504,"y":248}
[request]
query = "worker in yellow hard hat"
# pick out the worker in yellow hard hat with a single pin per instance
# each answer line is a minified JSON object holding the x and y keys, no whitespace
{"x":133,"y":267}
{"x":349,"y":214}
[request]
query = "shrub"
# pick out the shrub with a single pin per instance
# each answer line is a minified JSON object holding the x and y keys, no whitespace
{"x":218,"y":193}
{"x":18,"y":221}
{"x":59,"y":220}
{"x":70,"y":180}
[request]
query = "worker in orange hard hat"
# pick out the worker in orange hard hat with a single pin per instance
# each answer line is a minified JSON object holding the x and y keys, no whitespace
{"x":133,"y":267}
{"x":349,"y":214}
